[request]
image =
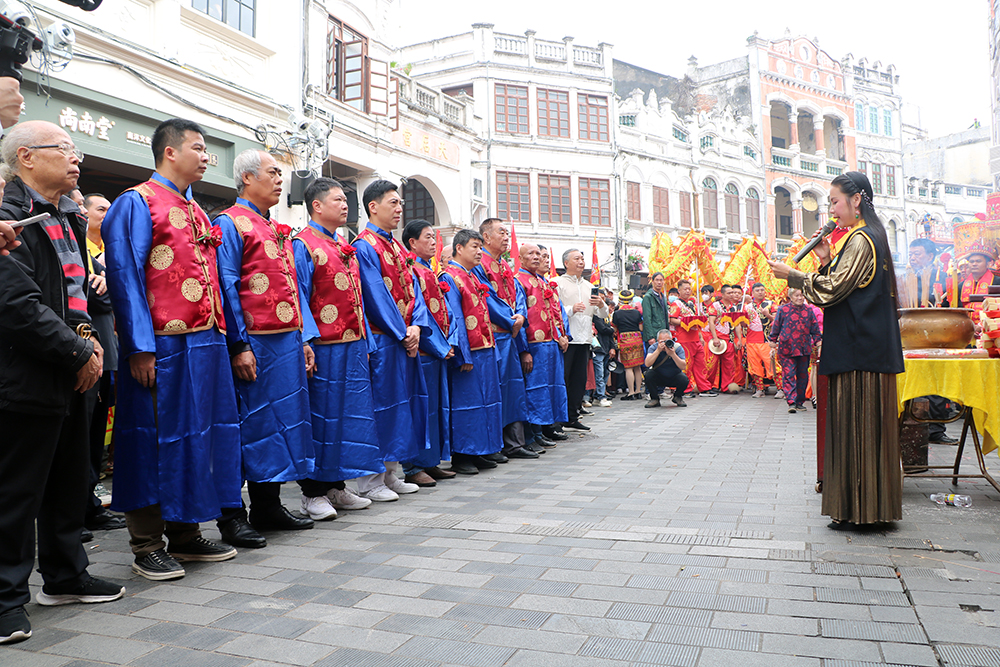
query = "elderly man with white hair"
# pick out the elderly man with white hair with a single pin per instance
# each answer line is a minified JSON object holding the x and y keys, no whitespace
{"x":264,"y":333}
{"x":49,"y":360}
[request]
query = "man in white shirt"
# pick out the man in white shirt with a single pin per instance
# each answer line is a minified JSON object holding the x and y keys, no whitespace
{"x":581,"y":301}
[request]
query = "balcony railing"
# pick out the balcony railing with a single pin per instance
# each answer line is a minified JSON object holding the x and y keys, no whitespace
{"x":583,"y":55}
{"x":510,"y":44}
{"x":809,"y":166}
{"x":781,"y":160}
{"x":550,"y":50}
{"x":430,"y":99}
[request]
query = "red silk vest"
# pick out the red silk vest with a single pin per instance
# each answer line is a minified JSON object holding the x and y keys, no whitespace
{"x":433,"y":296}
{"x":556,"y":312}
{"x":335,"y":301}
{"x":972,"y":286}
{"x":269,"y":293}
{"x":679,"y":309}
{"x":395,"y":273}
{"x":501,"y":278}
{"x":182,"y":277}
{"x":477,"y":315}
{"x":541,"y":325}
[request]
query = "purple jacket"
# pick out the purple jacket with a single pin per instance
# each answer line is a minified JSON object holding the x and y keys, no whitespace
{"x":796,"y":329}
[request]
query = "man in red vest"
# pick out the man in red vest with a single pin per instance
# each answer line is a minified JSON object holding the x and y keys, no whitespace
{"x":257,"y":269}
{"x":174,"y":466}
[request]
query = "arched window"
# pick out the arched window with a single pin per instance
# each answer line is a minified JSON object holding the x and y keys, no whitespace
{"x":753,"y":211}
{"x":732,"y":202}
{"x":417,"y":202}
{"x":710,"y":204}
{"x":859,"y":116}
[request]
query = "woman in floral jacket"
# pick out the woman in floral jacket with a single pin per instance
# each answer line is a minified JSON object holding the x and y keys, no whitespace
{"x":794,"y":333}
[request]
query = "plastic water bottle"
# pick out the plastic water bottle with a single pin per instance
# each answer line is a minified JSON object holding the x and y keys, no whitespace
{"x":952,"y":499}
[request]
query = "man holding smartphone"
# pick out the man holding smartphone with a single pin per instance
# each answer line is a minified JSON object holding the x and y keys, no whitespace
{"x":582,"y":301}
{"x":666,"y":364}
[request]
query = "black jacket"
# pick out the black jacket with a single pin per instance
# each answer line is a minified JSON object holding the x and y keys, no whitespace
{"x":605,"y":334}
{"x":40,"y":352}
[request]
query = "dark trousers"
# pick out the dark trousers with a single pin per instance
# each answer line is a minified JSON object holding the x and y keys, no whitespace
{"x":658,"y":378}
{"x":939,"y":410}
{"x":795,"y":376}
{"x":99,"y":400}
{"x":576,"y":359}
{"x":312,"y":488}
{"x":513,"y":436}
{"x":146,"y":529}
{"x":43,"y":476}
{"x":263,"y":496}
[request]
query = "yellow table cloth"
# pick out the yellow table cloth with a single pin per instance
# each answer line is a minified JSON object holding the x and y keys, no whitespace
{"x":972,"y":382}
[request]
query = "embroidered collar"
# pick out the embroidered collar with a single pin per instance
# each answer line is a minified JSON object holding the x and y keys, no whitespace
{"x":381,"y":232}
{"x":246,"y":203}
{"x":162,"y":180}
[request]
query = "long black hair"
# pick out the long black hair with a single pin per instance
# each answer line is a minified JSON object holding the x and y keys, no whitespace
{"x":852,"y":183}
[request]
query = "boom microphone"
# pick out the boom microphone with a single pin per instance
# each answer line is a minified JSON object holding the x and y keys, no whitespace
{"x":814,"y":241}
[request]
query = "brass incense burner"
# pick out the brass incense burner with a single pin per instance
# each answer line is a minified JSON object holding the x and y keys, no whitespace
{"x":922,"y":328}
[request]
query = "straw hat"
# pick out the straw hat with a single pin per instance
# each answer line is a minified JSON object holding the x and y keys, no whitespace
{"x":718,"y":346}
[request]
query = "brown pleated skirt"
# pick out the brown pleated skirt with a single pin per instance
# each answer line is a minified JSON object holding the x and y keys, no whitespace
{"x":862,"y":474}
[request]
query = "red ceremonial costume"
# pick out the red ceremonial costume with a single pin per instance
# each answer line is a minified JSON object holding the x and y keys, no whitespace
{"x":758,"y":350}
{"x":430,"y":289}
{"x":395,"y":273}
{"x":688,"y":334}
{"x":542,"y":300}
{"x":335,"y":301}
{"x":478,"y":328}
{"x":182,"y":277}
{"x":972,"y":286}
{"x":721,"y":368}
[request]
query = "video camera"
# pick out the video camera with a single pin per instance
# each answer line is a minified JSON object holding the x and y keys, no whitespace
{"x":16,"y":40}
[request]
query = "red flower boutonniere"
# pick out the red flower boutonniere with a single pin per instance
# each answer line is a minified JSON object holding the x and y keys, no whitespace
{"x":283,"y":232}
{"x":347,"y":249}
{"x":410,"y":258}
{"x":483,"y":289}
{"x":547,"y":293}
{"x":445,"y":287}
{"x":211,"y":236}
{"x":553,"y":286}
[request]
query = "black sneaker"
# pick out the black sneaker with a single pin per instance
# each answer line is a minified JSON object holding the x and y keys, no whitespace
{"x":14,"y":626}
{"x":91,"y":591}
{"x":201,"y":550}
{"x":679,"y":401}
{"x":791,"y":409}
{"x":799,"y":407}
{"x":712,"y":392}
{"x":585,"y":411}
{"x":158,"y":566}
{"x":576,"y":425}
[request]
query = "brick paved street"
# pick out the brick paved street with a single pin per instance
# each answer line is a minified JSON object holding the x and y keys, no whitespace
{"x":685,"y":537}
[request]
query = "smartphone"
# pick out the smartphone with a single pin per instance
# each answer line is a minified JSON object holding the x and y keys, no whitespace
{"x":595,"y":291}
{"x":30,"y":221}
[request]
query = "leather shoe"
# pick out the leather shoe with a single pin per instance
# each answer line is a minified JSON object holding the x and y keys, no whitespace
{"x":545,"y":442}
{"x":535,"y":447}
{"x":104,"y":520}
{"x":86,"y":535}
{"x":237,"y":532}
{"x":437,"y":473}
{"x":278,"y":518}
{"x":461,"y":465}
{"x":421,"y":479}
{"x":554,"y":435}
{"x":584,"y":411}
{"x":576,"y":425}
{"x":945,"y":440}
{"x":483,"y":463}
{"x":496,"y":457}
{"x":522,"y":453}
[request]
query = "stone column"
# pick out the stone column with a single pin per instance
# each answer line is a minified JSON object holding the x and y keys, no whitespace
{"x":793,"y":131}
{"x":530,"y":34}
{"x":820,"y":139}
{"x":797,"y":215}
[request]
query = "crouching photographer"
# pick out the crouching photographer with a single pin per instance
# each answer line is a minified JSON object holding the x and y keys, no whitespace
{"x":665,"y":361}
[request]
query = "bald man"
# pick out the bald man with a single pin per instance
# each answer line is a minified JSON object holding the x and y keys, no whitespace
{"x":545,"y":385}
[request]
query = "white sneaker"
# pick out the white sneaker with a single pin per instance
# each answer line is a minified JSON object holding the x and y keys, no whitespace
{"x":588,"y":404}
{"x":780,"y":394}
{"x":605,"y":403}
{"x":397,"y":485}
{"x":319,"y":508}
{"x":345,"y":499}
{"x":758,"y":394}
{"x":380,"y":494}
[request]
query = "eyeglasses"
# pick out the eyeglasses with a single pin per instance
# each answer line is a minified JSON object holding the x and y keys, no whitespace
{"x":68,"y":150}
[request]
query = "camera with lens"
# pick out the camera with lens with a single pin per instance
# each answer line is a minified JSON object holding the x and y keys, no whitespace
{"x":669,"y":343}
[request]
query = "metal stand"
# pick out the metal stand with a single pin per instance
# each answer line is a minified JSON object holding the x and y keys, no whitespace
{"x":968,"y":425}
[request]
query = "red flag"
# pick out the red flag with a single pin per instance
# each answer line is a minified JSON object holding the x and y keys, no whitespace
{"x":436,"y":264}
{"x":595,"y":271}
{"x":553,"y":274}
{"x":515,"y":252}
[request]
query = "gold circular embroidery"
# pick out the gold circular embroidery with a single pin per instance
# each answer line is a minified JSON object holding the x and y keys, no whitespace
{"x":494,"y":284}
{"x":177,"y":217}
{"x":532,"y":300}
{"x":320,"y":257}
{"x":328,"y":314}
{"x":533,"y":281}
{"x":248,"y":319}
{"x":471,"y":322}
{"x":539,"y":335}
{"x":494,"y":266}
{"x":243,"y":224}
{"x":285,"y":312}
{"x":192,"y":290}
{"x":401,"y":307}
{"x":434,"y":305}
{"x":387,"y":255}
{"x":545,"y":316}
{"x":341,"y":282}
{"x":349,"y":334}
{"x":150,"y":299}
{"x":388,"y":282}
{"x":258,"y":283}
{"x":271,"y":249}
{"x":475,"y":299}
{"x":423,"y":285}
{"x":175,"y":325}
{"x":161,"y":257}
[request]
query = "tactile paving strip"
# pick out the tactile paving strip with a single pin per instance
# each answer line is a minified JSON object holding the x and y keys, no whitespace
{"x":854,"y":596}
{"x":713,"y":637}
{"x":891,"y":542}
{"x":668,"y":654}
{"x":356,"y":658}
{"x":471,"y":596}
{"x":718,"y":602}
{"x":903,"y":633}
{"x":630,"y":611}
{"x":511,"y":618}
{"x":852,"y":570}
{"x":955,"y":655}
{"x":611,"y":648}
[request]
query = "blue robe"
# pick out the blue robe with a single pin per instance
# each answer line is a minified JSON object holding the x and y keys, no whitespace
{"x":476,"y":402}
{"x":508,"y":351}
{"x":275,"y":429}
{"x":178,"y":444}
{"x":434,"y":349}
{"x":398,"y":385}
{"x":545,"y":385}
{"x":345,"y":438}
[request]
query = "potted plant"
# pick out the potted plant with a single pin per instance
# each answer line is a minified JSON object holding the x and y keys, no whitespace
{"x":634,"y":263}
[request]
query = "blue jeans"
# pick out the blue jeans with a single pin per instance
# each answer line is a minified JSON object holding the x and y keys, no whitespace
{"x":600,"y":375}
